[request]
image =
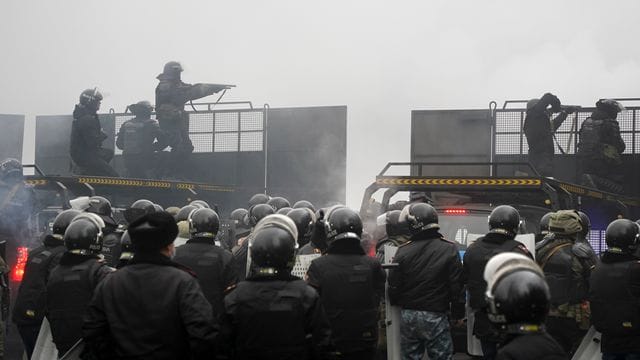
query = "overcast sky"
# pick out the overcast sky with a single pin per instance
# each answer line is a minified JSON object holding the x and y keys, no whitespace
{"x":380,"y":58}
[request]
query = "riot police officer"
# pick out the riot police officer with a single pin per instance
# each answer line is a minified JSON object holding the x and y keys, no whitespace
{"x":87,"y":136}
{"x":258,"y":199}
{"x":112,"y":231}
{"x":126,"y":250}
{"x":600,"y":147}
{"x":30,"y":306}
{"x":396,"y":233}
{"x":586,"y":227}
{"x":211,"y":263}
{"x":518,"y":299}
{"x":71,"y":283}
{"x":539,"y":129}
{"x":182,"y":219}
{"x":350,"y":284}
{"x":255,"y":214}
{"x":504,"y":223}
{"x":275,"y":315}
{"x":153,"y":307}
{"x":139,"y":138}
{"x":614,"y":293}
{"x":171,"y":96}
{"x":305,"y":220}
{"x":278,"y":202}
{"x":304,"y":204}
{"x":543,"y":227}
{"x":567,"y":265}
{"x":240,"y":228}
{"x":425,"y":283}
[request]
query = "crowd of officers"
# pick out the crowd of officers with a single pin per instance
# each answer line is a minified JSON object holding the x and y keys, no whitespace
{"x":141,"y":139}
{"x":599,"y":144}
{"x":166,"y":286}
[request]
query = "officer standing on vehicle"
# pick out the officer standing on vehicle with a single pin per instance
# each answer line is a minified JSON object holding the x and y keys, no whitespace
{"x":212,"y":264}
{"x":539,"y":129}
{"x":71,"y":283}
{"x":30,"y":305}
{"x":518,"y":299}
{"x":614,"y":293}
{"x":504,"y":223}
{"x":567,"y":264}
{"x":87,"y":136}
{"x":171,"y":96}
{"x":152,"y":308}
{"x":139,"y":139}
{"x":275,"y":315}
{"x":350,"y":284}
{"x":425,"y":283}
{"x":600,"y":147}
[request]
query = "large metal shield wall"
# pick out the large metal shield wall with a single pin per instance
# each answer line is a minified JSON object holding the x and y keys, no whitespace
{"x":450,"y":136}
{"x":11,"y":136}
{"x":52,"y":141}
{"x":306,"y":152}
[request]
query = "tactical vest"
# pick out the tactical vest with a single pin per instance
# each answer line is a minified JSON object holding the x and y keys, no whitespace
{"x":31,"y":302}
{"x":615,"y":310}
{"x":69,"y":292}
{"x":558,"y":263}
{"x":590,"y":140}
{"x":111,"y":247}
{"x":135,"y":137}
{"x":477,"y":261}
{"x":208,"y":265}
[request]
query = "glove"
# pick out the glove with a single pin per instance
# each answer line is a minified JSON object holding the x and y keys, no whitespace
{"x":550,"y":99}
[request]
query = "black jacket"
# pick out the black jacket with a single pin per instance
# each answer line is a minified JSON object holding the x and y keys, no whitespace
{"x":276,"y":318}
{"x":213,"y":267}
{"x":351,"y":285}
{"x":69,"y":290}
{"x":539,"y":128}
{"x":31,"y":302}
{"x":152,"y":308}
{"x":138,"y":136}
{"x":86,"y":134}
{"x":531,"y":347}
{"x":429,"y":274}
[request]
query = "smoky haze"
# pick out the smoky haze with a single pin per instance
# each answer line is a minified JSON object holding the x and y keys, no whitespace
{"x":380,"y":58}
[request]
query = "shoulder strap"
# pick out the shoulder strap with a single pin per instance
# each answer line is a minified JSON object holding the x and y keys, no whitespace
{"x":553,"y":251}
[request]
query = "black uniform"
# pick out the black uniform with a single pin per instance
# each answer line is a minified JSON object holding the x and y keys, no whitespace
{"x":615,"y":302}
{"x":350,"y":286}
{"x":567,"y":267}
{"x":137,"y":140}
{"x":276,"y":318}
{"x":86,"y":144}
{"x":240,"y":258}
{"x":152,"y":308}
{"x":539,"y":129}
{"x":30,"y":304}
{"x":69,"y":291}
{"x":599,"y":149}
{"x":111,"y":242}
{"x":474,"y":262}
{"x":538,"y":346}
{"x":213,"y":267}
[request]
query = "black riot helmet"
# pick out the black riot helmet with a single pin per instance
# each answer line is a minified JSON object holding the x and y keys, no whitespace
{"x":393,"y":226}
{"x":158,"y":207}
{"x":272,"y":247}
{"x":284,"y":211}
{"x":126,"y":247}
{"x":99,"y":205}
{"x":278,"y":203}
{"x":258,"y":199}
{"x":304,"y":219}
{"x":419,"y":217}
{"x":200,"y":204}
{"x":62,"y":221}
{"x":204,"y":223}
{"x":342,"y":223}
{"x":11,"y":171}
{"x":586,"y":225}
{"x":138,"y":209}
{"x":622,"y":236}
{"x":183,"y":214}
{"x":544,"y":223}
{"x":91,"y":98}
{"x":610,"y":107}
{"x":304,"y":204}
{"x":258,"y":212}
{"x":172,"y":69}
{"x":84,"y":235}
{"x":141,"y":108}
{"x":238,"y":217}
{"x":505,"y":220}
{"x":519,"y":299}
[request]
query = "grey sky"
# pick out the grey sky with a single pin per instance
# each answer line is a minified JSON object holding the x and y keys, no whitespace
{"x":380,"y":58}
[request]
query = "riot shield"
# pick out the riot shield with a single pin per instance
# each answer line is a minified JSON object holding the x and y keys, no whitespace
{"x":589,"y":348}
{"x":392,"y":313}
{"x":44,"y":349}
